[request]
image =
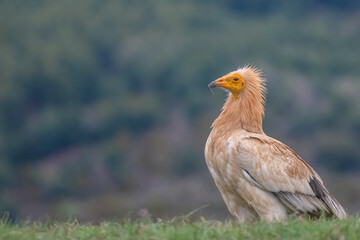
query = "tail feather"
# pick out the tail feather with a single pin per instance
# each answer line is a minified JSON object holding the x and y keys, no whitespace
{"x":334,"y":206}
{"x":323,"y":194}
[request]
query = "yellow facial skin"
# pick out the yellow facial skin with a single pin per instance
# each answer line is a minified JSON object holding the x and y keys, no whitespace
{"x":232,"y":82}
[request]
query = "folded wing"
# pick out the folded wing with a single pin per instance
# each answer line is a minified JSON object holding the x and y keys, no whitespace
{"x":274,"y":167}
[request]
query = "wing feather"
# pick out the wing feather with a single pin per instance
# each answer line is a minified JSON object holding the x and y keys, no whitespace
{"x":278,"y":169}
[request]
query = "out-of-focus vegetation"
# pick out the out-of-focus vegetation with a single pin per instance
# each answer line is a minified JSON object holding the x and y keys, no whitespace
{"x":104,"y":107}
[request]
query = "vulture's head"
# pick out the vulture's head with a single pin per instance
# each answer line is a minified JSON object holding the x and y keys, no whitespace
{"x":245,"y":79}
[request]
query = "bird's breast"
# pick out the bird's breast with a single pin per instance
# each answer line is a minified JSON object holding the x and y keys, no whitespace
{"x":221,"y":163}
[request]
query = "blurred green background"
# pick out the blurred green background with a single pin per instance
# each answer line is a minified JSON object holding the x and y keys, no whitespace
{"x":104,"y":106}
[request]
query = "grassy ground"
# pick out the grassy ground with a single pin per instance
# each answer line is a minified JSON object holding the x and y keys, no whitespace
{"x":184,"y":229}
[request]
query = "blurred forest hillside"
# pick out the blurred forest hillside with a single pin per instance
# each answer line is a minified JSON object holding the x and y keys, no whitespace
{"x":104,"y":106}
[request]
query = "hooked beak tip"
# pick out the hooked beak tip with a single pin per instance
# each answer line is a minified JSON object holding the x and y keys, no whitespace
{"x":212,"y":84}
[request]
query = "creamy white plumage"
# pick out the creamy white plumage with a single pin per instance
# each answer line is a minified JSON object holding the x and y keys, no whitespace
{"x":258,"y":176}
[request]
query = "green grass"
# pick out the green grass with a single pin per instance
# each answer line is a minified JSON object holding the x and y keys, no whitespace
{"x":184,"y":229}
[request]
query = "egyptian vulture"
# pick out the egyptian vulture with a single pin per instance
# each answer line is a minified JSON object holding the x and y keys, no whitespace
{"x":258,"y":176}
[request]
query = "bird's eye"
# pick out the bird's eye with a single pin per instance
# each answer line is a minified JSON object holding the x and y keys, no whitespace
{"x":235,"y":79}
